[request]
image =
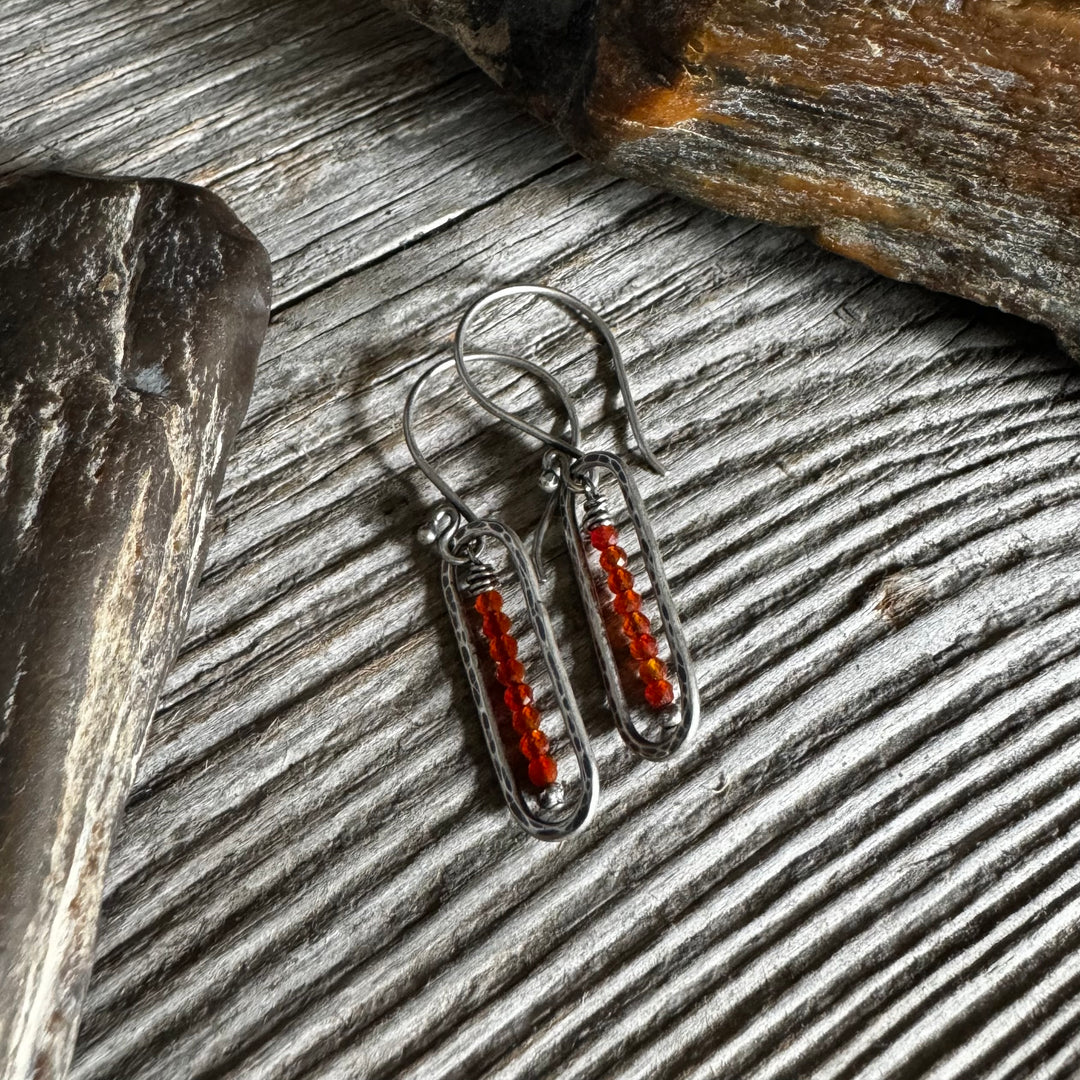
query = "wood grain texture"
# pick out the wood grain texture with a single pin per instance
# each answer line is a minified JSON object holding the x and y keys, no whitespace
{"x":865,"y":866}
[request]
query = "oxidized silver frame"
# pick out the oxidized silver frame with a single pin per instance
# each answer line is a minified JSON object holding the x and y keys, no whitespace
{"x":689,"y":704}
{"x":577,"y":816}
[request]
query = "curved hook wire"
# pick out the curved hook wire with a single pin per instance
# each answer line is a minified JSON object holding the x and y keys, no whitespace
{"x":580,"y":308}
{"x":422,"y":462}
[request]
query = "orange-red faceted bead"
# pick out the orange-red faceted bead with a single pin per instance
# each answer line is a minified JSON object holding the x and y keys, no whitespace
{"x":543,"y":770}
{"x":527,"y":718}
{"x":603,"y":536}
{"x":489,"y":601}
{"x":518,"y":695}
{"x":653,"y":670}
{"x":620,"y":580}
{"x":635,"y":624}
{"x":628,"y":601}
{"x":643,"y":647}
{"x":495,"y":624}
{"x":503,"y":648}
{"x":534,"y":744}
{"x":659,"y":693}
{"x":509,"y":672}
{"x":612,"y":558}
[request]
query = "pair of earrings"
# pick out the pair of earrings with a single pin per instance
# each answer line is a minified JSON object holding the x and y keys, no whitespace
{"x":629,"y":644}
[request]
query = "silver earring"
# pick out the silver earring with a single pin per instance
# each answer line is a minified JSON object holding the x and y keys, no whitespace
{"x":574,"y":476}
{"x":488,"y":648}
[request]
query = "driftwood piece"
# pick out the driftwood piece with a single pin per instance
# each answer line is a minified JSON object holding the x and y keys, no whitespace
{"x":131,"y":314}
{"x":865,"y":867}
{"x":935,"y":142}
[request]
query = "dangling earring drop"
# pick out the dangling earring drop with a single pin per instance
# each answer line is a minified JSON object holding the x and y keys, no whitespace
{"x":571,"y":475}
{"x":509,"y":715}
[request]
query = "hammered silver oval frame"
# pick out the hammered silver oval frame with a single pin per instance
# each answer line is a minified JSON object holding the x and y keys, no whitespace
{"x":581,"y":813}
{"x":689,"y":702}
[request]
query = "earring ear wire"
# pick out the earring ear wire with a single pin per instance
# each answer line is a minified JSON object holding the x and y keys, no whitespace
{"x":578,"y":307}
{"x":408,"y":426}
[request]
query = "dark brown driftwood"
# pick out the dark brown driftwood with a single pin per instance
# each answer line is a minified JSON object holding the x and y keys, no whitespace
{"x":937,"y":142}
{"x":131,"y":313}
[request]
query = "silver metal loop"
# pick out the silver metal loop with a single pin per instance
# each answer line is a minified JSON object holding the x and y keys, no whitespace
{"x":454,"y":550}
{"x":593,"y":318}
{"x":558,"y":818}
{"x":689,"y":706}
{"x":442,"y":531}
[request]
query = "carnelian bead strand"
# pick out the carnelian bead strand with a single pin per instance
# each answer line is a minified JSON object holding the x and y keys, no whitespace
{"x":658,"y":690}
{"x":652,"y":670}
{"x":518,"y":694}
{"x":503,"y":648}
{"x":603,"y":536}
{"x":635,"y":624}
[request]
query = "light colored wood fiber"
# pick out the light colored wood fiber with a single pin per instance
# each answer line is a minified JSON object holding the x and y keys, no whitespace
{"x":866,"y":866}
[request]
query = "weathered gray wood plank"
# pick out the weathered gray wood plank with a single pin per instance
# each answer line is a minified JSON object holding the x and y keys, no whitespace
{"x":336,"y":132}
{"x":864,"y":867}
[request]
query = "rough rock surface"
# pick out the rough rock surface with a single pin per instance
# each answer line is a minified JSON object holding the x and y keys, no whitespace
{"x":937,"y":142}
{"x":131,"y":314}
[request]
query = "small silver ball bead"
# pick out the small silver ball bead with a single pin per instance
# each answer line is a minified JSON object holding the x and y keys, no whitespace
{"x":549,"y":481}
{"x":552,"y":797}
{"x":427,"y":535}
